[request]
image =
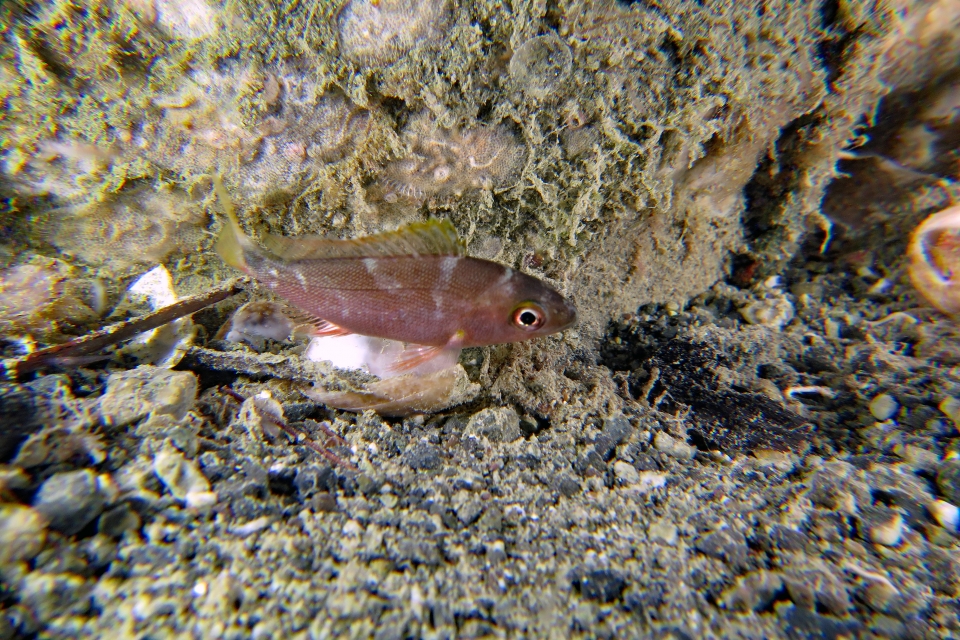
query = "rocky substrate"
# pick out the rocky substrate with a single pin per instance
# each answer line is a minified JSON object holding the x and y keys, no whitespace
{"x":756,"y":481}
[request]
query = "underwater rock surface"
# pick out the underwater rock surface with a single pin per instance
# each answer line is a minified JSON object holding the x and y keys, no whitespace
{"x":753,"y":432}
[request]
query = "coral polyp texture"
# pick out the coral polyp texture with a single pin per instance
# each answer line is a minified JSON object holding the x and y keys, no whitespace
{"x":139,"y":226}
{"x":42,"y":299}
{"x":265,"y":157}
{"x":442,"y":163}
{"x":381,"y":31}
{"x":541,"y":64}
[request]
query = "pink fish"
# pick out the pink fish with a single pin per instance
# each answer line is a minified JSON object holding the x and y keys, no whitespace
{"x":415,"y":285}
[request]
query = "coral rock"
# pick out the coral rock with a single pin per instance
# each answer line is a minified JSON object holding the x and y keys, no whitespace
{"x":448,"y":162}
{"x":380,"y":31}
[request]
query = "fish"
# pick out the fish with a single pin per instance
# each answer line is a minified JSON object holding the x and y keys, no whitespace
{"x":416,"y":285}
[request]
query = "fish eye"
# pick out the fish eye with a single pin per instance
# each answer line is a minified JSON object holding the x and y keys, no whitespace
{"x":528,"y":317}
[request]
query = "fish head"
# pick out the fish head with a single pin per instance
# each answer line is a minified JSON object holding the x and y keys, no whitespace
{"x":520,"y":308}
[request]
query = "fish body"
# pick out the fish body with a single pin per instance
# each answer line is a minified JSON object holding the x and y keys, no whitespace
{"x":414,"y":285}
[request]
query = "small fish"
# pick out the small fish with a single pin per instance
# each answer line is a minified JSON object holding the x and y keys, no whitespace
{"x":415,"y":285}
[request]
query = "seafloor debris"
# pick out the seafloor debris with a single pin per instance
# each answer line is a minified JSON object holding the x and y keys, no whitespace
{"x":431,"y":386}
{"x":380,"y":31}
{"x":103,"y":338}
{"x":42,"y":298}
{"x":256,"y":322}
{"x":540,"y":64}
{"x":443,"y":163}
{"x":734,"y":421}
{"x":934,"y":254}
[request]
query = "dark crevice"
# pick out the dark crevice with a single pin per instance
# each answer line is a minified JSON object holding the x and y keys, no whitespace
{"x":776,"y":177}
{"x":553,"y":15}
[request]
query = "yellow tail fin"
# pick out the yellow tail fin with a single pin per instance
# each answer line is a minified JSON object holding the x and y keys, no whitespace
{"x":231,"y":241}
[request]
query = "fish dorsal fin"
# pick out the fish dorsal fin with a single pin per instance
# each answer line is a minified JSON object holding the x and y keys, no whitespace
{"x":431,"y":238}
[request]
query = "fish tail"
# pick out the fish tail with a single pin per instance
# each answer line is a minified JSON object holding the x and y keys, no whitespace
{"x":231,"y":242}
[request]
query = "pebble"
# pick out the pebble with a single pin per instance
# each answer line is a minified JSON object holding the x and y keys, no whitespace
{"x":625,"y":472}
{"x":615,"y":430}
{"x":116,"y":521}
{"x":499,"y":425}
{"x":70,"y":500}
{"x":22,"y":533}
{"x":650,"y":480}
{"x":673,"y":447}
{"x":950,"y":407}
{"x":424,"y":457}
{"x":888,"y":532}
{"x":884,"y":406}
{"x":132,"y":395}
{"x":663,"y":532}
{"x":948,"y":480}
{"x":602,"y":585}
{"x":753,"y":591}
{"x":180,"y":476}
{"x":947,"y":515}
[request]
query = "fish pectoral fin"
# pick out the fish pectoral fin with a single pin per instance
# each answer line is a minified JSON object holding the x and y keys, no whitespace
{"x":310,"y":326}
{"x":320,"y":329}
{"x":414,"y":356}
{"x":325,"y":329}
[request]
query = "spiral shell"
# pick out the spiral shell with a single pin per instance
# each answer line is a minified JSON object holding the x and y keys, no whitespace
{"x":934,"y":255}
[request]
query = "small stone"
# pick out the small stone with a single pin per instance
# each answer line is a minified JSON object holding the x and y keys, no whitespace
{"x":179,"y":475}
{"x":324,"y":502}
{"x":879,"y":594}
{"x":22,"y":533}
{"x":200,"y":499}
{"x":424,"y":457}
{"x":499,"y":425}
{"x":625,"y":472}
{"x":70,"y":500}
{"x":889,"y":532}
{"x":649,"y":480}
{"x":663,"y":532}
{"x":615,"y":430}
{"x":947,"y":515}
{"x":673,"y":447}
{"x":469,"y":512}
{"x":603,"y":585}
{"x":492,"y":519}
{"x":883,"y":407}
{"x":116,"y":521}
{"x":47,"y":595}
{"x":496,"y":551}
{"x":950,"y":407}
{"x":753,"y":592}
{"x":568,"y":486}
{"x":944,"y":571}
{"x":775,"y":311}
{"x":132,"y":395}
{"x":388,"y":500}
{"x":948,"y":480}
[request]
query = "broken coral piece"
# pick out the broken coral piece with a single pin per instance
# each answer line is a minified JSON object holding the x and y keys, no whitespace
{"x":429,"y":386}
{"x":165,"y":345}
{"x":256,"y":322}
{"x":934,"y":259}
{"x":403,"y":395}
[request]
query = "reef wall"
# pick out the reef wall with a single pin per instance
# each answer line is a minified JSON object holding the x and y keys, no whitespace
{"x":629,"y":152}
